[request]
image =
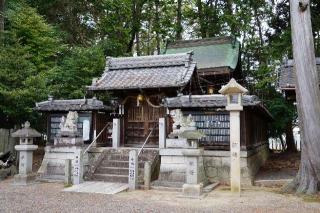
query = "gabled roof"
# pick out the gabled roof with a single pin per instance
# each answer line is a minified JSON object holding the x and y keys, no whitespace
{"x":71,"y":105}
{"x":209,"y":52}
{"x":287,"y":79}
{"x":157,"y":71}
{"x":213,"y":101}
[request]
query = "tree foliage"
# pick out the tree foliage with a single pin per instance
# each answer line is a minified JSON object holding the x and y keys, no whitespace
{"x":57,"y":47}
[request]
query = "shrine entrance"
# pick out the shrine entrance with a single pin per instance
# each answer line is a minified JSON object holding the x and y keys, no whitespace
{"x":140,"y":119}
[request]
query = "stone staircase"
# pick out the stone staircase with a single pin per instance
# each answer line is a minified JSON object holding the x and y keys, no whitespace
{"x":113,"y":165}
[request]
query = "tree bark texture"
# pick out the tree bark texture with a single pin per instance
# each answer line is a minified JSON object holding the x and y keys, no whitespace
{"x":308,"y":96}
{"x":2,"y":3}
{"x":291,"y":147}
{"x":157,"y":25}
{"x":179,"y":21}
{"x":202,"y":23}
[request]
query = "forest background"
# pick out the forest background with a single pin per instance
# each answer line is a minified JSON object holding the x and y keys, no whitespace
{"x":56,"y":47}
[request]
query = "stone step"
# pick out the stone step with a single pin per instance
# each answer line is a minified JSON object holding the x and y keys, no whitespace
{"x":51,"y":178}
{"x":110,"y":178}
{"x":116,"y":163}
{"x":167,"y":184}
{"x":115,"y":170}
{"x":121,"y":157}
{"x":164,"y":188}
{"x":55,"y":170}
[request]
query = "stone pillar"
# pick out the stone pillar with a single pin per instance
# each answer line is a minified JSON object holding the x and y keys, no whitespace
{"x":234,"y":92}
{"x":162,"y":133}
{"x":235,"y":173}
{"x":78,"y":167}
{"x":67,"y":172}
{"x":116,"y":133}
{"x":133,"y":170}
{"x":194,"y":173}
{"x":147,"y":175}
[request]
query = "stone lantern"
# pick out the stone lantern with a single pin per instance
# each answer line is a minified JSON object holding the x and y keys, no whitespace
{"x":195,"y":176}
{"x":234,"y":92}
{"x":25,"y":149}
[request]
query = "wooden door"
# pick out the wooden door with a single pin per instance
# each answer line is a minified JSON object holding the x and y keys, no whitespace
{"x":140,"y":120}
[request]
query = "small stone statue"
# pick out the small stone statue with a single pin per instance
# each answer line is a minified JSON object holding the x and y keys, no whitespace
{"x":181,"y":122}
{"x":188,"y":122}
{"x":69,"y":125}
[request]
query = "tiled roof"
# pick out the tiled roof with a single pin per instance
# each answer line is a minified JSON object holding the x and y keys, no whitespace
{"x":209,"y":52}
{"x":71,"y":105}
{"x":287,"y":76}
{"x":157,"y":71}
{"x":214,"y":101}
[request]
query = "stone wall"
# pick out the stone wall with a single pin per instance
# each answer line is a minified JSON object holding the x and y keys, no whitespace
{"x":217,"y":164}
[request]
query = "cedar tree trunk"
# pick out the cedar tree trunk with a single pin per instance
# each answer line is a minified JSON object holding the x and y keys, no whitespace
{"x":291,"y":146}
{"x":2,"y":2}
{"x":179,"y":21}
{"x":308,"y":97}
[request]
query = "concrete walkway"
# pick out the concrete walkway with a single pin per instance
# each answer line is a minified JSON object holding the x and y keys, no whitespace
{"x":98,"y":187}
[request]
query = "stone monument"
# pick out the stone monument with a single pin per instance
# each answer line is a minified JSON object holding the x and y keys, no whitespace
{"x":25,"y":149}
{"x":67,"y":145}
{"x":181,"y":158}
{"x":234,"y":92}
{"x":69,"y":134}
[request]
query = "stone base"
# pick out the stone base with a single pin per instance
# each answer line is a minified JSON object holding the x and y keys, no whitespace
{"x":68,"y":141}
{"x":53,"y":163}
{"x":21,"y":179}
{"x":217,"y":164}
{"x":193,"y":190}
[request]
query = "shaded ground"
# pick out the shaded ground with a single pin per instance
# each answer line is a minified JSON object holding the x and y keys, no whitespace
{"x":37,"y":158}
{"x":48,"y":197}
{"x":279,"y":169}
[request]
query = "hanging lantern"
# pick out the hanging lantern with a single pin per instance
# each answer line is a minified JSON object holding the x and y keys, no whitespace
{"x":210,"y":90}
{"x":140,"y":98}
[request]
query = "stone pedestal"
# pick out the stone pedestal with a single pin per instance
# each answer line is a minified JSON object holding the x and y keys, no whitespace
{"x":25,"y":175}
{"x":194,"y":173}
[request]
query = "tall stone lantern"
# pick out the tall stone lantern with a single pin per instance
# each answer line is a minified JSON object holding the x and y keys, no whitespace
{"x":25,"y":149}
{"x":234,"y":92}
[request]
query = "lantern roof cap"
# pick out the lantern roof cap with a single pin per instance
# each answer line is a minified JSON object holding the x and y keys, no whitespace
{"x":232,"y":87}
{"x":26,"y":132}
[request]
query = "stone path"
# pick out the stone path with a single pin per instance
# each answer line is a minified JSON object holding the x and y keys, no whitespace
{"x":98,"y":187}
{"x":49,"y":197}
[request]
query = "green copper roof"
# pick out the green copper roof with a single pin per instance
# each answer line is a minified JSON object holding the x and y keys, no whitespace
{"x":209,"y":53}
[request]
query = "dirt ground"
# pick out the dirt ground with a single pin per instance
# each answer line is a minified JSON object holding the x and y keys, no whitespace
{"x":48,"y":197}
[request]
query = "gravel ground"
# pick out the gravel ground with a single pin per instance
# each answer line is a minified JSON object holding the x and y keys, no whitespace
{"x":48,"y":197}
